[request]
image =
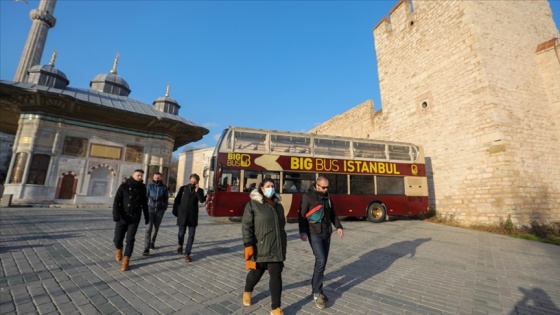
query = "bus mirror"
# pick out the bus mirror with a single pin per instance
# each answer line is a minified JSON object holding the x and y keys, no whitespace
{"x":212,"y":163}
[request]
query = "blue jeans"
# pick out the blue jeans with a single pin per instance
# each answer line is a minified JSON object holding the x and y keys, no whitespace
{"x":190,"y":239}
{"x":155,"y":222}
{"x":320,"y":246}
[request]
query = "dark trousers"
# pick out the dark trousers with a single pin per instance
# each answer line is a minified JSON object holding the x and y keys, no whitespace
{"x":155,"y":222}
{"x":128,"y":228}
{"x":274,"y":284}
{"x":320,"y":246}
{"x":190,"y":239}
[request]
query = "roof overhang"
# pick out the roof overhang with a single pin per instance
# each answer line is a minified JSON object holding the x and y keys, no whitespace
{"x":16,"y":100}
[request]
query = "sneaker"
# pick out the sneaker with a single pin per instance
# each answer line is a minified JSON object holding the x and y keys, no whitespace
{"x":146,"y":253}
{"x":319,"y":301}
{"x":152,"y":246}
{"x":276,"y":311}
{"x":247,"y":298}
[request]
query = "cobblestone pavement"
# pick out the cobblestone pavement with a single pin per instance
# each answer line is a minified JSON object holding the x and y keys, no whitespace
{"x":61,"y":261}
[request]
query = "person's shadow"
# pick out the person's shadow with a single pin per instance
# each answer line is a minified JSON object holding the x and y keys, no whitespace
{"x":358,"y":271}
{"x":535,"y":301}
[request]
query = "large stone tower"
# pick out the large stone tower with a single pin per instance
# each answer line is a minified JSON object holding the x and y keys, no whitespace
{"x":42,"y":20}
{"x":477,"y":83}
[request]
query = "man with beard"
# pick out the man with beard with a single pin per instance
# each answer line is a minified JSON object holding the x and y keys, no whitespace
{"x":315,"y":220}
{"x":129,"y":204}
{"x":158,"y":198}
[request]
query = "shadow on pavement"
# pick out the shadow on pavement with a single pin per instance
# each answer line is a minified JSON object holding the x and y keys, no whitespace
{"x":358,"y":271}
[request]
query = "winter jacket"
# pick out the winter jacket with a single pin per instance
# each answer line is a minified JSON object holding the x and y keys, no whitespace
{"x":308,"y":201}
{"x":158,"y":196}
{"x":130,"y":201}
{"x":185,"y":206}
{"x":263,"y":226}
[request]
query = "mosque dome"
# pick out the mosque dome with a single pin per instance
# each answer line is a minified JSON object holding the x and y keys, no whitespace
{"x":167,"y":104}
{"x":111,"y":83}
{"x":47,"y":75}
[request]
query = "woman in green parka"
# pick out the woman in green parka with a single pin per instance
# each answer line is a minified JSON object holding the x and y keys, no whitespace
{"x":264,"y":237}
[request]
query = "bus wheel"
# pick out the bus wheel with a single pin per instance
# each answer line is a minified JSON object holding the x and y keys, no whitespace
{"x":376,"y":212}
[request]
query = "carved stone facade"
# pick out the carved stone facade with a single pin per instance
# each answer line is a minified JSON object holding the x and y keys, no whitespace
{"x":477,"y":83}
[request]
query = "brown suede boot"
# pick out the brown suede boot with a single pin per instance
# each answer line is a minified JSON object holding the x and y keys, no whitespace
{"x":125,"y":263}
{"x":247,"y":298}
{"x":118,"y":255}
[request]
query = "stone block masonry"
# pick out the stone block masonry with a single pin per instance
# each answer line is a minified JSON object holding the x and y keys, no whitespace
{"x":477,"y":84}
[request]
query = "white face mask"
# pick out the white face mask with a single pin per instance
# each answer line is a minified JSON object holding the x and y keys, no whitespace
{"x":269,"y":192}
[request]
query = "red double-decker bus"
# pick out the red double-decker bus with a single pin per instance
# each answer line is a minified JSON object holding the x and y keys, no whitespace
{"x":367,"y":178}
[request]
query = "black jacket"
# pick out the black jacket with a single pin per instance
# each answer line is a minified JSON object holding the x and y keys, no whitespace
{"x":309,"y":200}
{"x":185,"y":207}
{"x":130,"y":201}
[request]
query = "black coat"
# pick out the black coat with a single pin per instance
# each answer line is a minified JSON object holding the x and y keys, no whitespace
{"x":185,"y":207}
{"x":130,"y":201}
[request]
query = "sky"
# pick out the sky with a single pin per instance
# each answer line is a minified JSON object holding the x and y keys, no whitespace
{"x":283,"y":65}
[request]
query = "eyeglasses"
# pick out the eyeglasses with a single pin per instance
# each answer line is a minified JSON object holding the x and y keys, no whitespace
{"x":324,"y":187}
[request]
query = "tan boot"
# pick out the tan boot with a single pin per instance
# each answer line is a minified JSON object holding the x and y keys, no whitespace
{"x":118,"y":255}
{"x":125,"y":263}
{"x":276,"y":311}
{"x":247,"y":298}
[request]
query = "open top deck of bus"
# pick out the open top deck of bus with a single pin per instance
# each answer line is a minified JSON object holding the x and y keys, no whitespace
{"x":250,"y":140}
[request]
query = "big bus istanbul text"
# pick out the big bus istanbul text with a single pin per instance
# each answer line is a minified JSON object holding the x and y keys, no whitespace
{"x":328,"y":165}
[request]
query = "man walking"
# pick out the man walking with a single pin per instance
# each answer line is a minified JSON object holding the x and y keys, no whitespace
{"x":158,"y":198}
{"x":317,"y":215}
{"x":185,"y":208}
{"x":129,"y":204}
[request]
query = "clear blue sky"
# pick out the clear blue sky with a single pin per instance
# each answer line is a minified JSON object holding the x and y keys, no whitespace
{"x":285,"y":65}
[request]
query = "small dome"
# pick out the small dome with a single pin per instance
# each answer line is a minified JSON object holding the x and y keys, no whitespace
{"x":167,"y":104}
{"x":111,"y":83}
{"x":47,"y":75}
{"x":166,"y":99}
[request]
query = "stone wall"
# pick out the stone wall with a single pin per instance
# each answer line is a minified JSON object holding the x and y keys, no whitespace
{"x":463,"y":79}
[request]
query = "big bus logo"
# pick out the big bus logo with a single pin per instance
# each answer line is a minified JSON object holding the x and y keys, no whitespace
{"x":237,"y":159}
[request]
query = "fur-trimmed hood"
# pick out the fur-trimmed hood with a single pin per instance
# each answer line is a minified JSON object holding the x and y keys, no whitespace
{"x":258,"y":197}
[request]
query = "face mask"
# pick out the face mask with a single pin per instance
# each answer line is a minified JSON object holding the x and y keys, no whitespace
{"x":269,"y":192}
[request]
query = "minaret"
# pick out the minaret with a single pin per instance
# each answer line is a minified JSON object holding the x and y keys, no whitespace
{"x":42,"y":20}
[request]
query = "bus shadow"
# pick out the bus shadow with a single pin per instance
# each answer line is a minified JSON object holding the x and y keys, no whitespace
{"x":365,"y":267}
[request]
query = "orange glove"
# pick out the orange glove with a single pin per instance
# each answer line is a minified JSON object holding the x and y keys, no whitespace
{"x":249,"y":264}
{"x":249,"y":251}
